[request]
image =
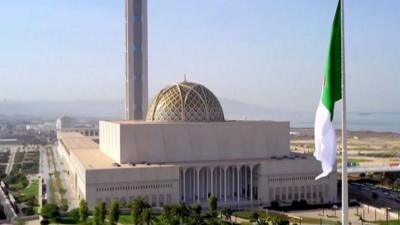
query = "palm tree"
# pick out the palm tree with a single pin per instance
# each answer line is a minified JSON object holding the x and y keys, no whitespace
{"x":183,"y":210}
{"x":213,"y":205}
{"x":195,"y":211}
{"x":146,"y":216}
{"x":138,"y":206}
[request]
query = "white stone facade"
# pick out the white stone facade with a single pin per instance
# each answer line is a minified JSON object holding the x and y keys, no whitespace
{"x":242,"y":163}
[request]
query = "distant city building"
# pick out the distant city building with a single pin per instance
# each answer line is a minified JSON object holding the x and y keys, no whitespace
{"x":65,"y":122}
{"x":185,"y":150}
{"x":69,"y":124}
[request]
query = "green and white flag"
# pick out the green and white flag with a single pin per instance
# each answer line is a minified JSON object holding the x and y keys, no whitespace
{"x":324,"y":131}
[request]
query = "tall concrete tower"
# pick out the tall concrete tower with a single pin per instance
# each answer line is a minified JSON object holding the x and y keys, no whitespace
{"x":136,"y":99}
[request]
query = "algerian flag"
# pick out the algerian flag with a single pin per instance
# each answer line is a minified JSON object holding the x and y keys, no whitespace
{"x":324,"y":132}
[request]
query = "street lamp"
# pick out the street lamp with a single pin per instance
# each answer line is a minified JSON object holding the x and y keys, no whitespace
{"x":387,"y":215}
{"x":334,"y":209}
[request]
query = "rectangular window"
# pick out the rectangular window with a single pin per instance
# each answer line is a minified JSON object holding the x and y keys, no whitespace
{"x":137,"y":47}
{"x":326,"y":190}
{"x":284,"y":193}
{"x":314,"y":192}
{"x":137,"y":18}
{"x":271,"y":194}
{"x":290,"y":193}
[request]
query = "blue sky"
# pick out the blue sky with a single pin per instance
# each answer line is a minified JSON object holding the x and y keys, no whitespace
{"x":270,"y":53}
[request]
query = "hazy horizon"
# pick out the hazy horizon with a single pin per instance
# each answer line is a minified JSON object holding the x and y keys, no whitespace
{"x":267,"y":53}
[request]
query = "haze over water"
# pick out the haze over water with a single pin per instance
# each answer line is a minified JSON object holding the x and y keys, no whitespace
{"x":379,"y":121}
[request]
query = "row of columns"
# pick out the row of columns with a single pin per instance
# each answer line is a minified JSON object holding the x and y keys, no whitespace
{"x":228,"y":183}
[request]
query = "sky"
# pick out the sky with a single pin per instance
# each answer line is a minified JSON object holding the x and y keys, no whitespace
{"x":264,"y":52}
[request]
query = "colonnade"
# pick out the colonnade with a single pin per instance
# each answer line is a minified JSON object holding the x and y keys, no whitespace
{"x":227,"y":183}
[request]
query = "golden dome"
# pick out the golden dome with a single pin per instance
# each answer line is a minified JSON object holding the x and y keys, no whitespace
{"x":185,"y":101}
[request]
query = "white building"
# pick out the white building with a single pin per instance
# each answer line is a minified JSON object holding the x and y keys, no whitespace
{"x":187,"y":151}
{"x":66,"y":124}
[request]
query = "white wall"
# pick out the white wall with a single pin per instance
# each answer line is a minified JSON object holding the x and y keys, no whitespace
{"x":128,"y":183}
{"x":181,"y":142}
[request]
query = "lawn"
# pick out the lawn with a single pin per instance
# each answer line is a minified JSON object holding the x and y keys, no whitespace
{"x":306,"y":220}
{"x":354,"y":160}
{"x":19,"y":156}
{"x":32,"y":189}
{"x":309,"y":220}
{"x":391,"y":222}
{"x":125,"y":219}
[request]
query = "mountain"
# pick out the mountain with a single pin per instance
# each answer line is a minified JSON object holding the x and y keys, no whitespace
{"x":109,"y":109}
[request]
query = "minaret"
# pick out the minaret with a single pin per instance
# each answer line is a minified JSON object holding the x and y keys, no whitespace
{"x":136,"y":83}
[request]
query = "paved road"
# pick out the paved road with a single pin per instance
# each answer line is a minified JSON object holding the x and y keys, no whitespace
{"x":10,"y":162}
{"x":44,"y":170}
{"x":370,"y":169}
{"x":8,"y":210}
{"x":73,"y":201}
{"x":386,"y":198}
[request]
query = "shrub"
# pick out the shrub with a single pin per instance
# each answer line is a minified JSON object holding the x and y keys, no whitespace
{"x":44,"y":222}
{"x":274,"y":204}
{"x":50,"y":211}
{"x":64,"y":205}
{"x":74,"y":214}
{"x":28,"y":211}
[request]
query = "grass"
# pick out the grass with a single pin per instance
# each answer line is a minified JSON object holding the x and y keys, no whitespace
{"x":306,"y":220}
{"x":69,"y":220}
{"x":243,"y":214}
{"x":391,"y":222}
{"x":309,"y":220}
{"x":125,"y":219}
{"x":19,"y":157}
{"x":381,"y":155}
{"x":32,"y":189}
{"x":355,"y":160}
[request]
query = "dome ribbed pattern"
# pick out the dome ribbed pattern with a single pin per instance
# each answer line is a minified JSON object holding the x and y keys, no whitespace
{"x":185,"y":101}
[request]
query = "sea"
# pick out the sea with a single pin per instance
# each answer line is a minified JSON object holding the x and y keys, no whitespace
{"x":356,"y":121}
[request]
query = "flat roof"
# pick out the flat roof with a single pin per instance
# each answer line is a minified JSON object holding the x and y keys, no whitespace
{"x":75,"y":140}
{"x":89,"y":155}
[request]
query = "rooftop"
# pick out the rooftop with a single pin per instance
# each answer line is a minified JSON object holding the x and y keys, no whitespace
{"x":75,"y":140}
{"x":88,"y":154}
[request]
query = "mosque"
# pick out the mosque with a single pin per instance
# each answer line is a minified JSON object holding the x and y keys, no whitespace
{"x":182,"y":148}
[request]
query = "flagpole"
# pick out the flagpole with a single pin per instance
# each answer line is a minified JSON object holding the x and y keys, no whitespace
{"x":345,"y":194}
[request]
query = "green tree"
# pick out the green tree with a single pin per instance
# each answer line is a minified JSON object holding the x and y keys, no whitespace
{"x":182,"y":211}
{"x":114,"y":213}
{"x":74,"y":214}
{"x":213,"y":205}
{"x":146,"y":216}
{"x":83,"y":211}
{"x":50,"y":211}
{"x":168,"y":216}
{"x":103,"y":211}
{"x":64,"y":205}
{"x":96,"y":216}
{"x":44,"y":222}
{"x":137,"y":207}
{"x":195,"y":211}
{"x":227,"y":213}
